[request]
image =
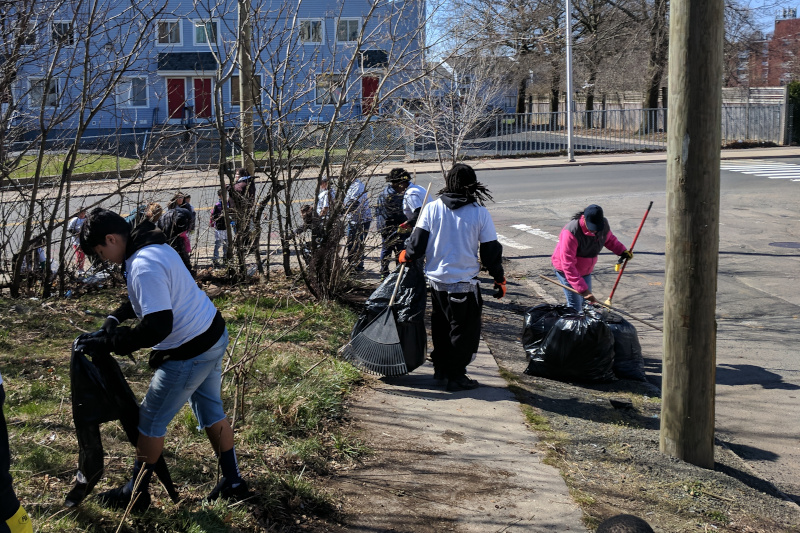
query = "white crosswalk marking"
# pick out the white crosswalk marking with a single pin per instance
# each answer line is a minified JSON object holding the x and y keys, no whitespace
{"x":766,"y":169}
{"x":536,"y":231}
{"x":512,"y":244}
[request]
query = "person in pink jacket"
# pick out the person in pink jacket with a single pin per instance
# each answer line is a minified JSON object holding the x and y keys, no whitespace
{"x":575,"y":255}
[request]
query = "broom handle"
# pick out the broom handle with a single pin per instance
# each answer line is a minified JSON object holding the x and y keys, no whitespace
{"x":616,"y":309}
{"x":622,"y":268}
{"x":403,"y":265}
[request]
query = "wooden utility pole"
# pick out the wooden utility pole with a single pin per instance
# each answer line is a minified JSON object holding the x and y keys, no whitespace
{"x":693,"y":154}
{"x":246,"y":85}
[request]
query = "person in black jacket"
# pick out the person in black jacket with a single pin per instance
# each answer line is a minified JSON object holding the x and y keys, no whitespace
{"x":188,"y":338}
{"x":449,"y":233}
{"x":13,"y":517}
{"x":389,"y":213}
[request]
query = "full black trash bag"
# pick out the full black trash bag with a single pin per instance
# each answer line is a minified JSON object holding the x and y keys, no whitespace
{"x":579,"y":347}
{"x":628,"y":361}
{"x":408,"y":308}
{"x":538,"y":321}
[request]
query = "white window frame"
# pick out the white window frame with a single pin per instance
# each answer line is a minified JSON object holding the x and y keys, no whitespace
{"x":197,"y":23}
{"x":124,"y":97}
{"x":34,"y":33}
{"x":321,"y":31}
{"x":52,"y":31}
{"x":332,"y":98}
{"x":259,"y":98}
{"x":180,"y":32}
{"x":348,"y":21}
{"x":37,"y":105}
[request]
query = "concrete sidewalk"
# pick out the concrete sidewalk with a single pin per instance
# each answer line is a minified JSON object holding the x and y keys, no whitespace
{"x":594,"y":159}
{"x":457,"y":461}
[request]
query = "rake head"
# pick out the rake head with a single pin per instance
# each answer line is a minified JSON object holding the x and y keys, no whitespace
{"x":377,"y":348}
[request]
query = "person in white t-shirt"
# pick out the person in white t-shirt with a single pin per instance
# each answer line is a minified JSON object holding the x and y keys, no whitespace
{"x":74,"y":229}
{"x":450,"y":234}
{"x":326,"y":194}
{"x":188,"y":338}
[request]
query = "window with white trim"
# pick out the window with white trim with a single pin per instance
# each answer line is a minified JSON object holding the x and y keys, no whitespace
{"x":27,"y":34}
{"x":236,"y":95}
{"x":206,"y":31}
{"x":311,"y":31}
{"x":169,"y":32}
{"x":132,"y":92}
{"x":41,"y":90}
{"x":329,"y":88}
{"x":347,"y":30}
{"x":63,"y":33}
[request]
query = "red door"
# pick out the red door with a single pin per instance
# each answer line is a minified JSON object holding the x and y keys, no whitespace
{"x":202,"y":97}
{"x":369,"y":91}
{"x":176,"y":97}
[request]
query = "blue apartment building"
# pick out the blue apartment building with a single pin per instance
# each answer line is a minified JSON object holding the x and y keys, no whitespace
{"x":170,"y":61}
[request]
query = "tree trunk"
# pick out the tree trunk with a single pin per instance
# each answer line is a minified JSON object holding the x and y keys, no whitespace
{"x":693,"y":155}
{"x":657,"y":64}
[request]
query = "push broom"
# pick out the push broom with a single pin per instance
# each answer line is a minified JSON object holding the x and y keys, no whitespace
{"x":620,"y":266}
{"x":377,"y":347}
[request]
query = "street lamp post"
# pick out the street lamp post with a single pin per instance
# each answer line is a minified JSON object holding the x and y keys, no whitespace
{"x":570,"y":148}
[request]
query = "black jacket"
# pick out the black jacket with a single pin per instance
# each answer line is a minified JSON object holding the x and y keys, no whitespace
{"x":100,"y":394}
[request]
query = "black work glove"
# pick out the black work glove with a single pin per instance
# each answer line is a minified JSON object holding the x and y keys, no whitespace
{"x":110,"y":325}
{"x":93,"y":343}
{"x":122,"y":341}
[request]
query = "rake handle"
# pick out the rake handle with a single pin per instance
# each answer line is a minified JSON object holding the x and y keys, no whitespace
{"x":403,"y":265}
{"x":622,"y":268}
{"x":607,"y":306}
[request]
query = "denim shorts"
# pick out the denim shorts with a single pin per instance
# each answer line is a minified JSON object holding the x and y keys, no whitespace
{"x":197,"y":380}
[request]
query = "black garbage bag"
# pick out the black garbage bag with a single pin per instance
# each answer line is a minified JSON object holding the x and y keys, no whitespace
{"x":628,"y":360}
{"x":408,"y":308}
{"x":100,"y":393}
{"x":538,"y":321}
{"x":579,"y":347}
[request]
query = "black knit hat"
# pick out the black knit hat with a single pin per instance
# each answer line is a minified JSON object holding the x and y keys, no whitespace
{"x":398,"y":175}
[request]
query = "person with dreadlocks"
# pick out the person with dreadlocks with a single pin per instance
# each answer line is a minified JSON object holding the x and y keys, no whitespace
{"x":451,"y":233}
{"x":575,"y":255}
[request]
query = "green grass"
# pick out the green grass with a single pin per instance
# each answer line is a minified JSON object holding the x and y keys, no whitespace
{"x":85,"y":164}
{"x":288,"y":429}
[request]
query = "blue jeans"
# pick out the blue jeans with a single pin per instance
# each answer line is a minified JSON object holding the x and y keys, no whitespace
{"x":197,"y":380}
{"x":574,"y":300}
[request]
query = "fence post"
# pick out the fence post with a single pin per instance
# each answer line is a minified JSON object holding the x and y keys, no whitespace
{"x":496,"y":135}
{"x":785,"y":129}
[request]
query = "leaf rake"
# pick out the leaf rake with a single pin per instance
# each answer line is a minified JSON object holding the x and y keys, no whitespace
{"x":377,"y":347}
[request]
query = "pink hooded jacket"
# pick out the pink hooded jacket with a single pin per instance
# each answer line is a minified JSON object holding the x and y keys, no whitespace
{"x":565,"y":257}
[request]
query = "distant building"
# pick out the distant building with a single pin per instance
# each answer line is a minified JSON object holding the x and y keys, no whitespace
{"x":774,"y":59}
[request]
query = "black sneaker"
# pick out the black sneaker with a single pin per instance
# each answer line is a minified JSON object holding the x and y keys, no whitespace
{"x":225,"y":490}
{"x":119,"y":499}
{"x":461,"y":383}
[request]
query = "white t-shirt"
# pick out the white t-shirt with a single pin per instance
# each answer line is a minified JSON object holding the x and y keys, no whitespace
{"x":157,"y":281}
{"x":455,"y":236}
{"x":74,"y":228}
{"x":358,"y":193}
{"x":324,"y":199}
{"x":412,"y":199}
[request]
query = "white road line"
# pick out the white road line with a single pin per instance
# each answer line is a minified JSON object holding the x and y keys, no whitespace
{"x":765,"y":169}
{"x":541,"y":292}
{"x":512,"y":244}
{"x":535,"y":231}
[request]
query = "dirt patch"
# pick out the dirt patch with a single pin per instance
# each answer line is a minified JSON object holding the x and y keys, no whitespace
{"x":610,"y":459}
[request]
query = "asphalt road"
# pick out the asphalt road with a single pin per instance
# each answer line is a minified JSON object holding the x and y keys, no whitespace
{"x":758,"y":300}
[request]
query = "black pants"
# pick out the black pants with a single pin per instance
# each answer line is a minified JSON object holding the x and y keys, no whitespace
{"x":391,"y":246}
{"x":8,"y":499}
{"x":455,"y":330}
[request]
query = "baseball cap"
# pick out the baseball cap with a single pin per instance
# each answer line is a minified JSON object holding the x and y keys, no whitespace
{"x":593,"y":217}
